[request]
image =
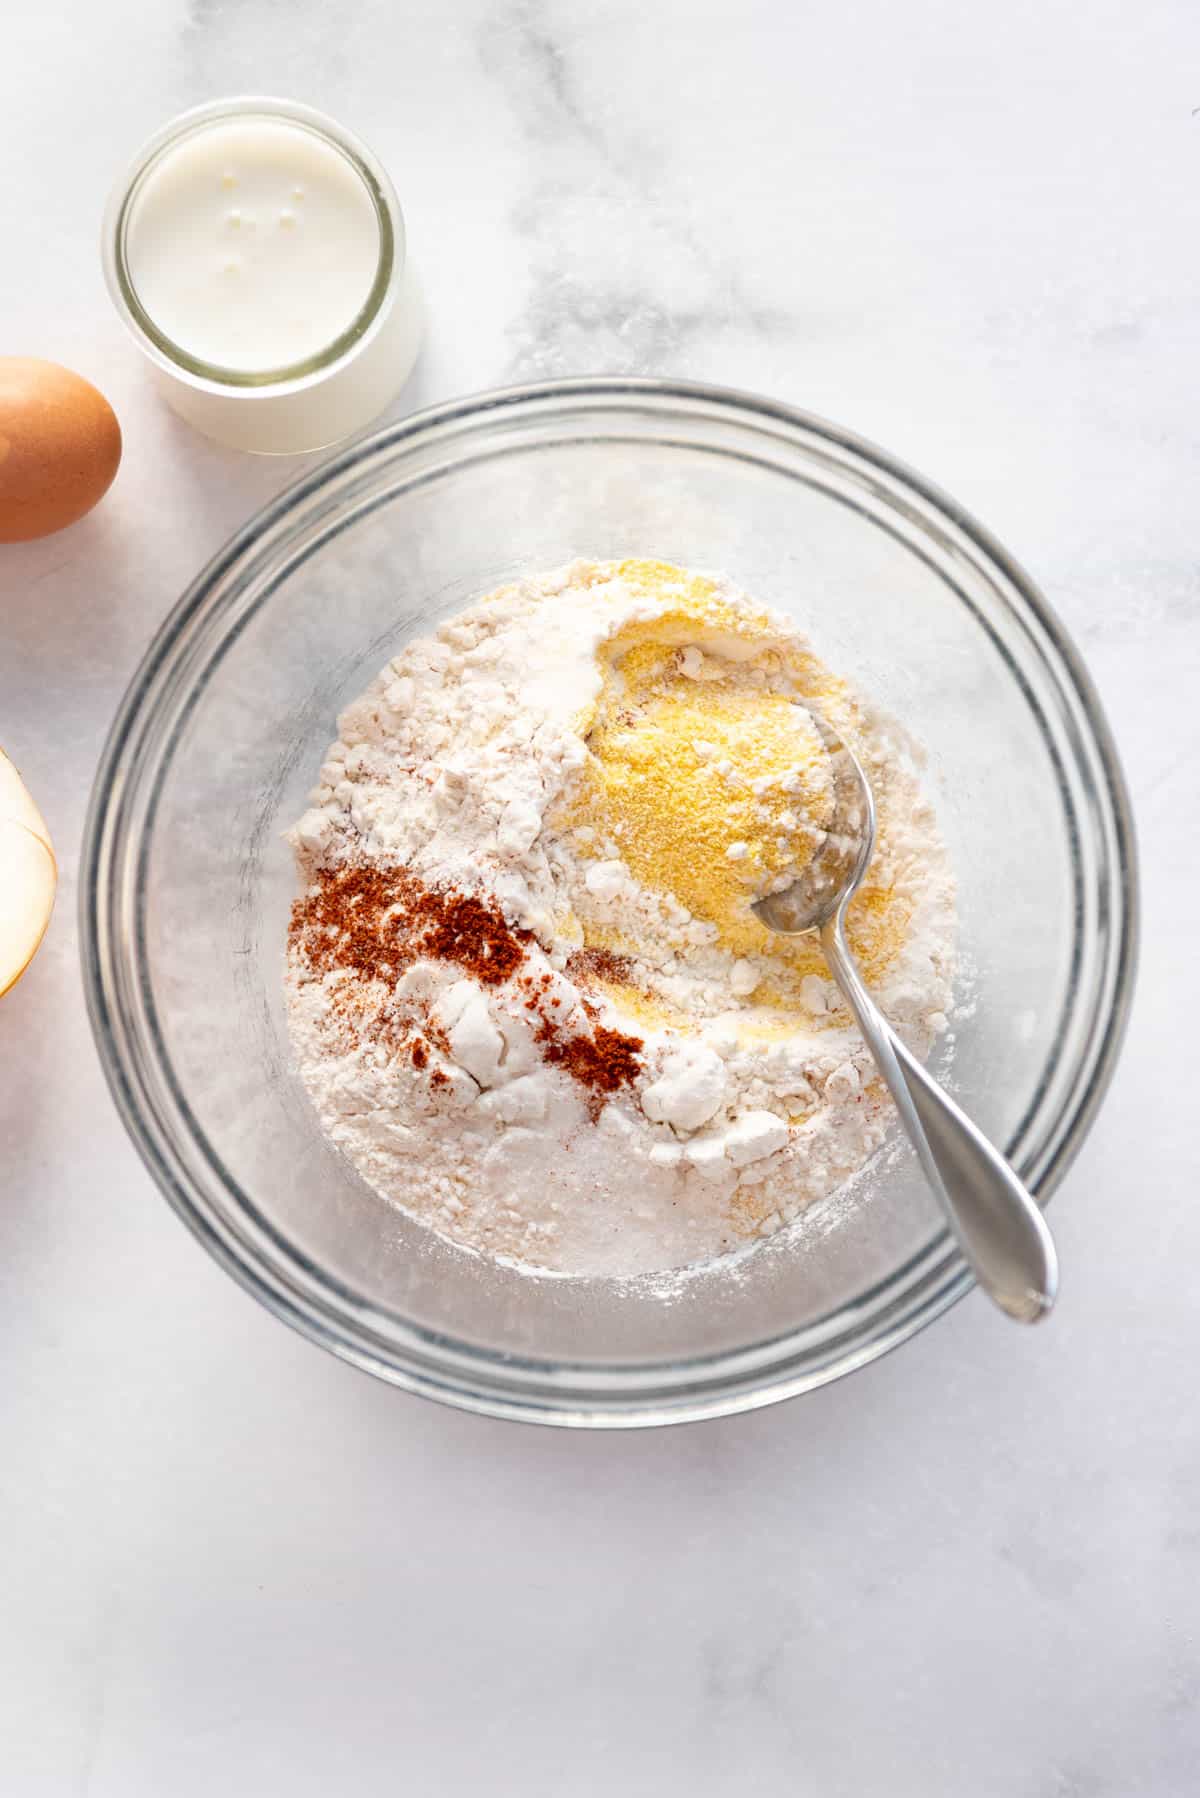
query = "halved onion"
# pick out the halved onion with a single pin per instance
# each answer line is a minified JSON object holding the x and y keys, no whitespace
{"x":28,"y":876}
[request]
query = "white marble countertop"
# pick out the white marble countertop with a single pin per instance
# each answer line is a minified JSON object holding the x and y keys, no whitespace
{"x":972,"y":1571}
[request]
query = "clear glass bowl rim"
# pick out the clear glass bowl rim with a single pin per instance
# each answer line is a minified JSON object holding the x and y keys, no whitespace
{"x":275,"y":1272}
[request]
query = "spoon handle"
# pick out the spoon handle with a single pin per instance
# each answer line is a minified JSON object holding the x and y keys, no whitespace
{"x":995,"y":1221}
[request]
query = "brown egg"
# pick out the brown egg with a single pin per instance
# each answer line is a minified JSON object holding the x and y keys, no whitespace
{"x":60,"y":446}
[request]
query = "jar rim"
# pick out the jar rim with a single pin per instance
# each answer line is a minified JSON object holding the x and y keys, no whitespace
{"x":288,"y":377}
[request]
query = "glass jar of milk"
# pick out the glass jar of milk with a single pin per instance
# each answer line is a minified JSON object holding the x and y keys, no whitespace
{"x":256,"y":251}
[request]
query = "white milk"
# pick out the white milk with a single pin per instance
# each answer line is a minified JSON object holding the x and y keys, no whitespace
{"x":254,"y":245}
{"x":252,"y":237}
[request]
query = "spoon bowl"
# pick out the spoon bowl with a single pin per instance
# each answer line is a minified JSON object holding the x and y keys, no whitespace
{"x":842,"y":857}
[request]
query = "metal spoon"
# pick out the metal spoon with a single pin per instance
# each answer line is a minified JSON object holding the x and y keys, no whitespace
{"x":995,"y":1221}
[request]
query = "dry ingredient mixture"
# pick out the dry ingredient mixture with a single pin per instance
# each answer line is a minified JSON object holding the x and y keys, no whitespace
{"x":528,"y":996}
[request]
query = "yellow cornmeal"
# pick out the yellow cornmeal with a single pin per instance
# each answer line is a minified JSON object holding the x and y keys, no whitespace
{"x":644,"y":1010}
{"x":684,"y":827}
{"x":709,"y":787}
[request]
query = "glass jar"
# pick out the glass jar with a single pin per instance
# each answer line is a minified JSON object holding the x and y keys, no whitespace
{"x":301,"y":401}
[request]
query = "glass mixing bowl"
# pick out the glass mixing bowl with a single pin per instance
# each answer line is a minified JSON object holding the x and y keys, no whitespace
{"x":187,"y":881}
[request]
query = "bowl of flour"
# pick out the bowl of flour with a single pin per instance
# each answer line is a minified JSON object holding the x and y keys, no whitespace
{"x":417,"y":893}
{"x":526,"y":990}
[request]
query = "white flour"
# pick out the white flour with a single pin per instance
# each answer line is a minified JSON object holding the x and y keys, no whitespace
{"x":656,"y":1080}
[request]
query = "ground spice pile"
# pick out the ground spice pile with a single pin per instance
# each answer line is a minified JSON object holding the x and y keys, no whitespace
{"x":602,"y":1062}
{"x":372,"y":923}
{"x":587,"y":966}
{"x":375,"y":922}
